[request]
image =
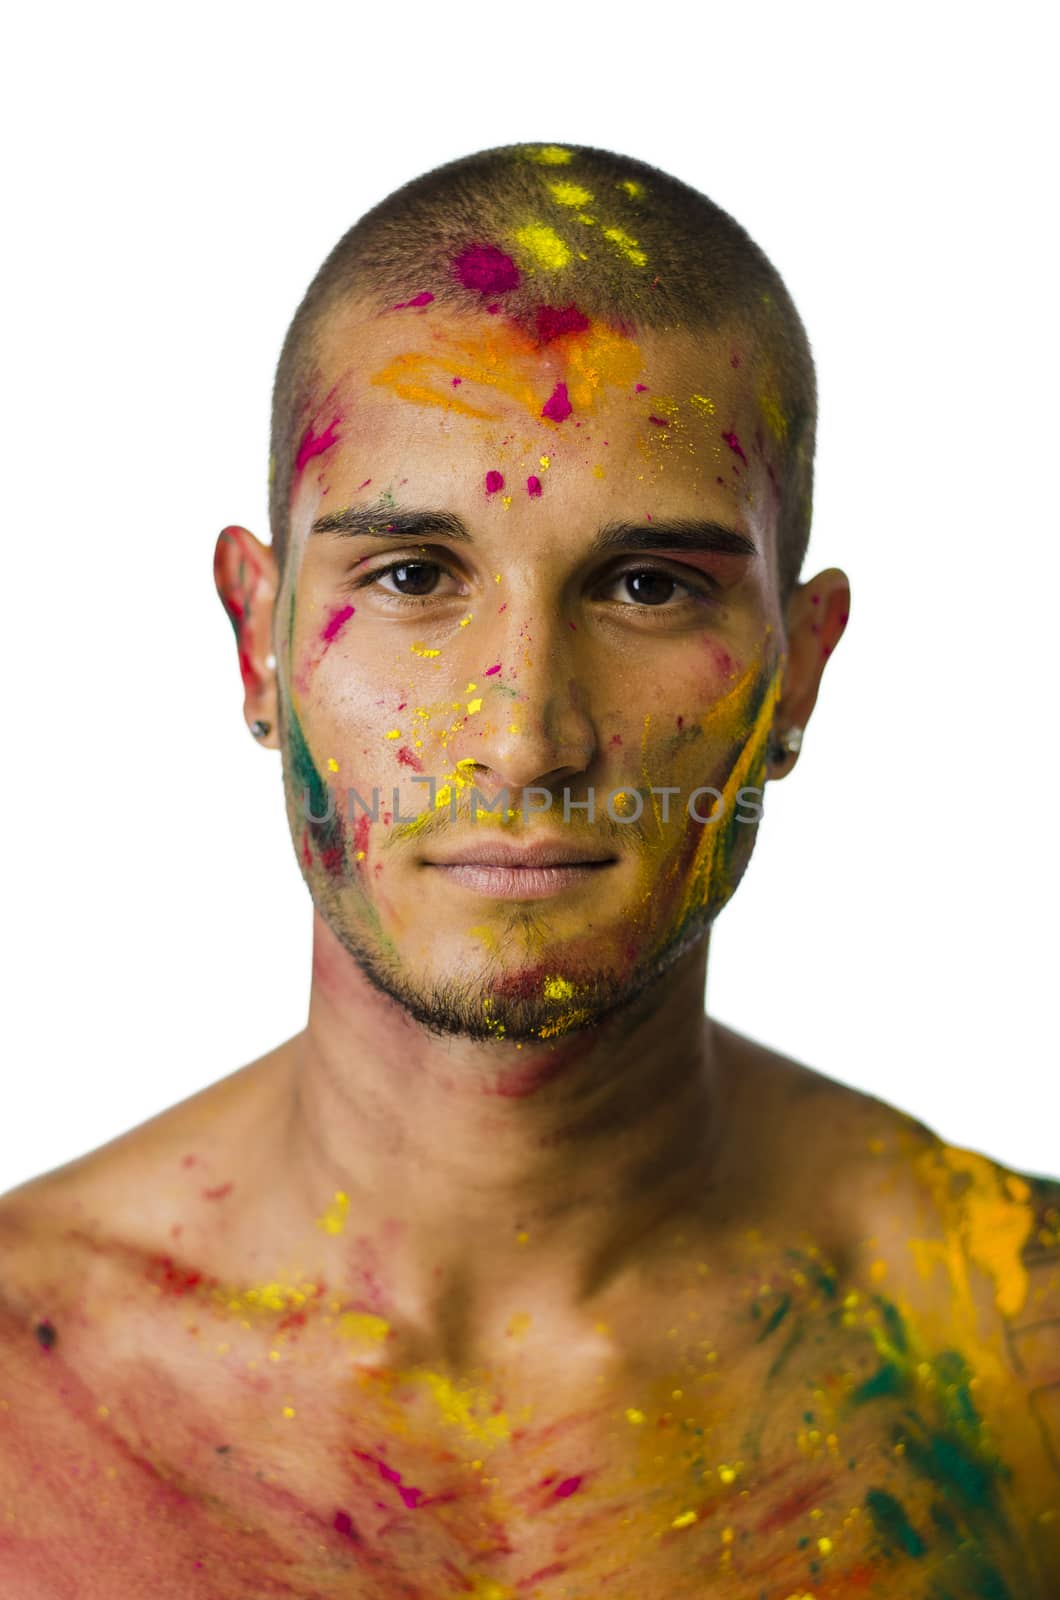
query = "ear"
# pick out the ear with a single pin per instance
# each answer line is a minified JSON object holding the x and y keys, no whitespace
{"x":815,"y":617}
{"x":244,"y":571}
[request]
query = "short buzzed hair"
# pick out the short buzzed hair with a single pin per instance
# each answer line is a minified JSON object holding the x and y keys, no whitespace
{"x":629,"y":245}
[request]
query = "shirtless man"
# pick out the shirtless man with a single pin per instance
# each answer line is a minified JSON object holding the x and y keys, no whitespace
{"x":514,"y":1275}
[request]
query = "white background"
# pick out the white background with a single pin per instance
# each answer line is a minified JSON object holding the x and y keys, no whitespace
{"x":177,"y":178}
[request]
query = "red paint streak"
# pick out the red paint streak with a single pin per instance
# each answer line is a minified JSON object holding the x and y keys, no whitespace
{"x":361,"y":831}
{"x":411,"y":1497}
{"x":494,"y":481}
{"x":314,"y":444}
{"x":218,"y":1193}
{"x":491,"y":670}
{"x":363,"y":485}
{"x":337,"y":620}
{"x":176,"y":1280}
{"x":557,"y":406}
{"x":407,"y":759}
{"x":307,"y":854}
{"x":567,"y":1487}
{"x":533,"y":486}
{"x":552,"y":321}
{"x":616,"y":738}
{"x":733,"y":442}
{"x":660,"y":422}
{"x":333,"y":859}
{"x":422,"y":299}
{"x":486,"y":269}
{"x":794,"y":1506}
{"x":544,"y":1572}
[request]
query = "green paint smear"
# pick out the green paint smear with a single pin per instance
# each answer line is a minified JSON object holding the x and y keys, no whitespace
{"x":312,"y":794}
{"x":776,"y":1319}
{"x":891,"y":1523}
{"x":887,"y":1380}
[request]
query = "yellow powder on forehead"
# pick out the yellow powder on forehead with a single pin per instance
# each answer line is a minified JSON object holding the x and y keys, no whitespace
{"x":597,"y":359}
{"x":776,"y":421}
{"x":569,"y":194}
{"x":631,"y":186}
{"x":543,"y":245}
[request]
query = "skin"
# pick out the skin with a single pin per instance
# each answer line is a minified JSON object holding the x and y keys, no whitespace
{"x":585,"y":1299}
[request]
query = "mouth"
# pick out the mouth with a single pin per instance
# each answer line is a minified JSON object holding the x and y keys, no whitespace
{"x":502,"y":871}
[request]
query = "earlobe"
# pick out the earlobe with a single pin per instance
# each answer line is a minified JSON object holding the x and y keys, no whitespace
{"x":245,"y":577}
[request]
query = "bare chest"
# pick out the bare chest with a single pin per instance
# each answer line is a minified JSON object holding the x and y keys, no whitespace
{"x":819,"y":1446}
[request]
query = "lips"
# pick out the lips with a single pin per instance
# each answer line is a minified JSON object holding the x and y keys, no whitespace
{"x":542,"y":853}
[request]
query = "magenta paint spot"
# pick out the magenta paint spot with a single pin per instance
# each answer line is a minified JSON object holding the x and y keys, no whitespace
{"x":616,"y":738}
{"x":491,"y":670}
{"x":533,"y":487}
{"x":492,"y":310}
{"x":411,"y":1497}
{"x":342,"y":1522}
{"x":552,"y":321}
{"x":363,"y":485}
{"x":816,"y":599}
{"x":567,"y":1487}
{"x":557,"y":406}
{"x":407,"y":759}
{"x":456,"y":382}
{"x":573,"y":625}
{"x":422,"y":299}
{"x":494,"y":481}
{"x":337,"y":620}
{"x":733,"y":442}
{"x":642,"y":388}
{"x":486,"y":269}
{"x":734,"y":360}
{"x":314,"y":444}
{"x":660,"y":422}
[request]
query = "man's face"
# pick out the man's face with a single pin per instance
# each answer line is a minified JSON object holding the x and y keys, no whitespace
{"x":597,"y":614}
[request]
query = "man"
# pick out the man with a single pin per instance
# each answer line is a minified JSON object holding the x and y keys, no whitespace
{"x":515,"y":1274}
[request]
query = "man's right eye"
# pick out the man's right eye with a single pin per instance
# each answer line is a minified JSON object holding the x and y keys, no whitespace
{"x":412,"y":578}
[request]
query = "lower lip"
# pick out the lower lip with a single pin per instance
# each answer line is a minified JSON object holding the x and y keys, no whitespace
{"x":520,"y":883}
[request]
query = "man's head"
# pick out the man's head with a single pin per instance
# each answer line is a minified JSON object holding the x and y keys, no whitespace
{"x":540,"y":492}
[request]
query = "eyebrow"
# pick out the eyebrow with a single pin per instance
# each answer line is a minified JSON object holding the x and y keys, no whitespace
{"x":384,"y":521}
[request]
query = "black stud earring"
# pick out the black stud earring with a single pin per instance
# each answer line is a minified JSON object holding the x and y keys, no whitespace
{"x":260,"y":729}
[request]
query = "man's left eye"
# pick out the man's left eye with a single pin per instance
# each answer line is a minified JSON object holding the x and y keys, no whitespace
{"x":648,"y":586}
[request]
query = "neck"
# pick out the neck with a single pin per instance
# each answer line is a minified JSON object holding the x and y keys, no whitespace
{"x":486,"y":1168}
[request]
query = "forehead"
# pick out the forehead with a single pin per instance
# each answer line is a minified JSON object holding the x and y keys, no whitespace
{"x":423,"y":402}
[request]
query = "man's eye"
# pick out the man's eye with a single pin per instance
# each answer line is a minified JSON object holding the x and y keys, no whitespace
{"x":410,"y":577}
{"x":649,"y":586}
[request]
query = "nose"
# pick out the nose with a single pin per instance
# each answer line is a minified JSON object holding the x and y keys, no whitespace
{"x":540,"y":735}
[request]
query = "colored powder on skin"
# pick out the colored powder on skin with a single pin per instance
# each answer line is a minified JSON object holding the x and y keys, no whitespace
{"x":407,"y":759}
{"x":423,"y":299}
{"x":543,"y":245}
{"x":891,"y":1523}
{"x":342,"y":1522}
{"x":660,"y":422}
{"x":569,"y":194}
{"x":533,"y":486}
{"x":733,"y":442}
{"x":641,"y":388}
{"x":776,"y":421}
{"x":314,"y":444}
{"x":491,"y":670}
{"x":703,"y":404}
{"x":567,"y":1487}
{"x":557,"y":407}
{"x":485,"y":269}
{"x":552,"y":321}
{"x":494,"y":481}
{"x":411,"y":1497}
{"x":337,"y":620}
{"x":632,"y":188}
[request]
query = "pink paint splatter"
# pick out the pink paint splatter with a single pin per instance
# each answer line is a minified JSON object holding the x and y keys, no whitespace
{"x":642,"y":388}
{"x":363,"y":485}
{"x":533,"y":487}
{"x":494,"y":481}
{"x":567,"y":1487}
{"x":337,"y":620}
{"x":407,"y":759}
{"x":342,"y":1522}
{"x":314,"y":444}
{"x":557,"y":406}
{"x":422,"y":299}
{"x":733,"y":442}
{"x":456,"y":382}
{"x":486,"y":269}
{"x":411,"y":1497}
{"x":491,"y":670}
{"x":552,"y":321}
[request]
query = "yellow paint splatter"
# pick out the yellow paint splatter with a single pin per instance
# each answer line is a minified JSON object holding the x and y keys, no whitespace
{"x":703,"y":404}
{"x":543,"y":245}
{"x":288,"y":1411}
{"x":984,"y":1217}
{"x":394,"y":733}
{"x":635,"y":1416}
{"x":631,"y":186}
{"x":334,"y":1218}
{"x":598,"y":471}
{"x":333,"y":765}
{"x":465,"y":620}
{"x":422,"y":650}
{"x":474,"y":705}
{"x":685,"y":1520}
{"x":363,"y":1325}
{"x":506,"y":501}
{"x":544,"y":461}
{"x":776,"y":421}
{"x":569,"y":194}
{"x":518,"y":1324}
{"x":558,"y":989}
{"x":629,"y":247}
{"x":464,"y":1407}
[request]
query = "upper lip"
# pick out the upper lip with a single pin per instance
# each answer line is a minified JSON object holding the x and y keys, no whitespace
{"x":542,"y":853}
